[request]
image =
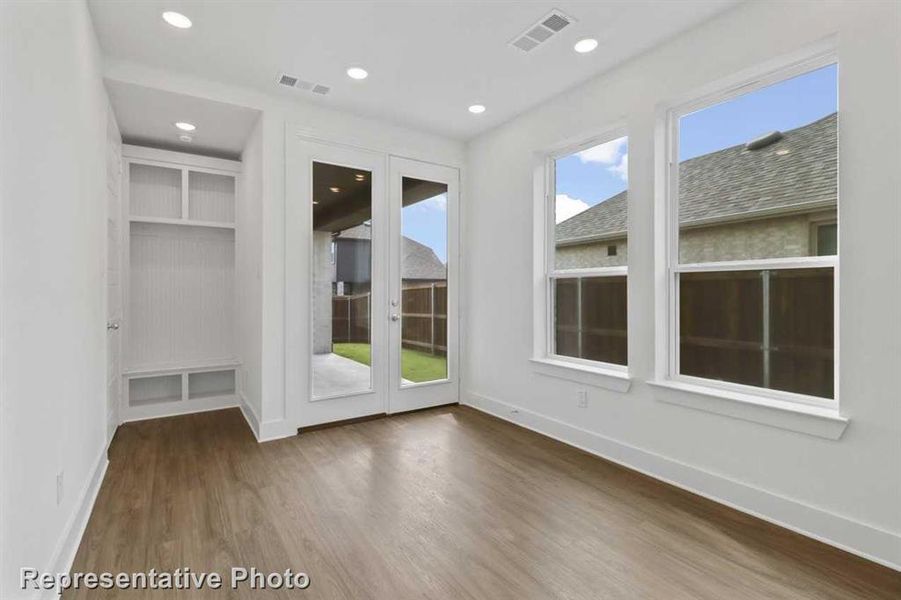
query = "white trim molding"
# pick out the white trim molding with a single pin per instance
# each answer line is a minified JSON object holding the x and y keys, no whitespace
{"x":74,"y":530}
{"x":818,"y":421}
{"x":599,"y":375}
{"x":864,"y":540}
{"x":264,"y":431}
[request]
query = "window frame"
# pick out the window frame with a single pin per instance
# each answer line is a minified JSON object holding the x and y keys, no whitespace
{"x":773,"y":74}
{"x":549,"y":271}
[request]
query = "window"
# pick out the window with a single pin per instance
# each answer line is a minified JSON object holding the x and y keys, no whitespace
{"x":753,"y":197}
{"x":826,"y":239}
{"x":587,"y":275}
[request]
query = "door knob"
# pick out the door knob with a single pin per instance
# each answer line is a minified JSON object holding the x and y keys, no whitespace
{"x":395,"y":317}
{"x":112,"y":325}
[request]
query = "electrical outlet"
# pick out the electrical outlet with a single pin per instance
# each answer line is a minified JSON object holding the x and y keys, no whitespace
{"x":583,"y":398}
{"x":59,"y":487}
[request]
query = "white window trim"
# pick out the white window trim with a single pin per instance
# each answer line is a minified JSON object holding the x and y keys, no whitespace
{"x":799,"y":412}
{"x":545,"y":362}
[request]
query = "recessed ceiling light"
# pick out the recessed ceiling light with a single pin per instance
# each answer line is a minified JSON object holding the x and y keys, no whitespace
{"x":177,"y":19}
{"x":586,"y":45}
{"x":335,"y":189}
{"x":185,"y":126}
{"x":476,"y":109}
{"x":357,"y":73}
{"x":186,"y":138}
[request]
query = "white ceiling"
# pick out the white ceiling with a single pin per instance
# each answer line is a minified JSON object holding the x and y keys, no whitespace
{"x":428,"y":61}
{"x":147,"y":117}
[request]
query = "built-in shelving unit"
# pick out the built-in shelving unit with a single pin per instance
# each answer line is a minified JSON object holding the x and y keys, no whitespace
{"x":179,"y":342}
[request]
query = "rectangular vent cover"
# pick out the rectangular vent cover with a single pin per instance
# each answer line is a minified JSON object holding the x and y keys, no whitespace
{"x":287,"y":80}
{"x":292,"y":81}
{"x":543,"y":30}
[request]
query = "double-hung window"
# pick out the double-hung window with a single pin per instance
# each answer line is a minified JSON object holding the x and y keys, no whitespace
{"x":587,"y":252}
{"x":752,"y":203}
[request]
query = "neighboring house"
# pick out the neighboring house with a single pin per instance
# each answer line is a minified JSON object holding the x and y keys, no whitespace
{"x":776,"y":200}
{"x":351,"y":262}
{"x":341,"y":267}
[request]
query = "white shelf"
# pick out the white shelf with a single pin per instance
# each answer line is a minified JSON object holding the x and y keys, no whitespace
{"x":151,"y":370}
{"x":182,"y":222}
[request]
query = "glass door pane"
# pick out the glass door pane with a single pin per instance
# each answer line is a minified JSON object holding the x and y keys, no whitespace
{"x":423,"y":256}
{"x":342,"y":280}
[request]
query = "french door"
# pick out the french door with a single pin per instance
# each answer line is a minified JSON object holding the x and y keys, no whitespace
{"x":373,"y":308}
{"x":423,"y":275}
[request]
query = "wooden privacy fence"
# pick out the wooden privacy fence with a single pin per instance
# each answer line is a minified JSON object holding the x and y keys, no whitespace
{"x":768,"y":328}
{"x":423,"y":318}
{"x":350,"y":318}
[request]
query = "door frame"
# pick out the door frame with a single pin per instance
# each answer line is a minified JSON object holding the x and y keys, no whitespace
{"x":415,"y":396}
{"x":299,"y":408}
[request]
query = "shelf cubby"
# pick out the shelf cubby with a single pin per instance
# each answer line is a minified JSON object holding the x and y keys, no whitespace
{"x":154,"y":191}
{"x":159,"y":389}
{"x":210,"y":384}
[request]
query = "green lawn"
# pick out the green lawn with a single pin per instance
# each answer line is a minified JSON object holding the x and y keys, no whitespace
{"x":416,"y":366}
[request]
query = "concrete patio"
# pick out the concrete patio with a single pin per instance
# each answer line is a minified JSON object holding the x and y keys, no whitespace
{"x":335,"y":375}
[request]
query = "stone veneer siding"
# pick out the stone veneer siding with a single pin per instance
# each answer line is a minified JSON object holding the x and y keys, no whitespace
{"x":767,"y":238}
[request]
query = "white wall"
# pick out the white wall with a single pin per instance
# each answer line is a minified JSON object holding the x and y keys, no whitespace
{"x":281,"y":116}
{"x":248,"y":272}
{"x":53,"y":111}
{"x":846,"y":491}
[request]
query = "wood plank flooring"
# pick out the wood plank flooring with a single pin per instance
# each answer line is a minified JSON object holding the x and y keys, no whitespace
{"x":447,"y":503}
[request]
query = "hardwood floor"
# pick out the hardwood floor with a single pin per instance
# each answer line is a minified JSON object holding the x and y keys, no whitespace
{"x":446,"y":503}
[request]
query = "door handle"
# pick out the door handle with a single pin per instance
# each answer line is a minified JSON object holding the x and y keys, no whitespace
{"x":395,"y":317}
{"x":112,"y":325}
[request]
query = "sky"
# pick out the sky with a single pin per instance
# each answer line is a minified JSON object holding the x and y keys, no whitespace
{"x":591,"y":176}
{"x":426,"y":222}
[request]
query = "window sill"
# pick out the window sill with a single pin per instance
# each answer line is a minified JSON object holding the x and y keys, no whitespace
{"x":603,"y":377}
{"x":812,"y":420}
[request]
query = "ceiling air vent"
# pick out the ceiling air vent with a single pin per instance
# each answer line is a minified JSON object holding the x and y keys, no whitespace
{"x":287,"y":80}
{"x":542,"y":31}
{"x":292,"y":81}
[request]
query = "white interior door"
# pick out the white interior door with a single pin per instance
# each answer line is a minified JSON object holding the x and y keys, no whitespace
{"x":113,"y":291}
{"x":340,"y":205}
{"x":424,"y":283}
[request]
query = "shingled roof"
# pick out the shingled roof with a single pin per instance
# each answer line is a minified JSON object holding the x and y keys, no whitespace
{"x":419,"y":261}
{"x":798,"y":171}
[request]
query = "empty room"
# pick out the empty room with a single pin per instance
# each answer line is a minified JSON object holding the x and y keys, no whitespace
{"x":450,"y":300}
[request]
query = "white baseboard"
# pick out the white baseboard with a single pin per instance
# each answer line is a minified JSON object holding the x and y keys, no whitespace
{"x":867,"y":541}
{"x":175,"y":409}
{"x":265,"y":431}
{"x":250,"y":415}
{"x":64,"y":555}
